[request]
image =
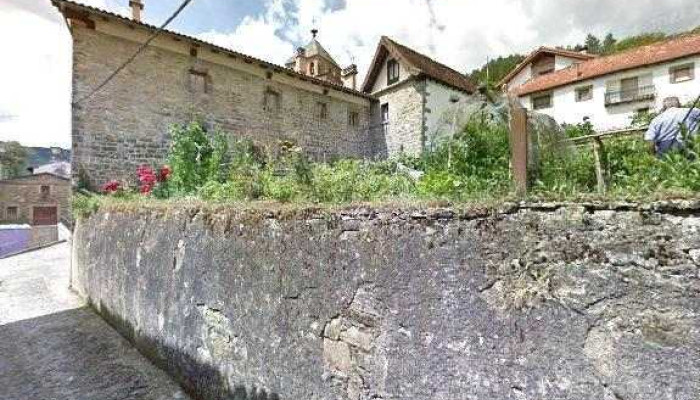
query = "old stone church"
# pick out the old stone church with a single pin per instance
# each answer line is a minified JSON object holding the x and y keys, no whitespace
{"x":312,"y":101}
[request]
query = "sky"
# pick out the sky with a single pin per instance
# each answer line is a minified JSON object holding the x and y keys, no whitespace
{"x":35,"y":84}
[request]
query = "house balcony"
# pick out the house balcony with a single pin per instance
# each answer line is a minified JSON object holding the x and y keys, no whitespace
{"x":642,"y":93}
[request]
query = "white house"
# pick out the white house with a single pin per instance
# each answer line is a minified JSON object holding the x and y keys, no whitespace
{"x":609,"y":90}
{"x":417,"y":97}
{"x":542,"y":61}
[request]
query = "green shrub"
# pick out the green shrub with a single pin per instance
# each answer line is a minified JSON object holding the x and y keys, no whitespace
{"x":84,"y":205}
{"x":196,"y":157}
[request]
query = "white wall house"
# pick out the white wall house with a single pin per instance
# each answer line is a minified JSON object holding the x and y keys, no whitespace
{"x":610,"y":90}
{"x":417,"y":98}
{"x":542,"y":61}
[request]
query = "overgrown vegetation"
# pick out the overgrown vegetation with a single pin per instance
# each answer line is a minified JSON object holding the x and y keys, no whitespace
{"x":473,"y":166}
{"x":632,"y":171}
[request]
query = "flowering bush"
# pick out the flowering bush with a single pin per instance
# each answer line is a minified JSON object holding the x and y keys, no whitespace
{"x":164,"y":173}
{"x":111,"y":187}
{"x":147,"y":179}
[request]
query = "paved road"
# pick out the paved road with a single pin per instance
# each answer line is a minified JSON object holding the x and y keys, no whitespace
{"x":53,"y":347}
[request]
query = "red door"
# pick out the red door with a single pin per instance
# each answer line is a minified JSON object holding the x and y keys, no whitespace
{"x":45,"y":216}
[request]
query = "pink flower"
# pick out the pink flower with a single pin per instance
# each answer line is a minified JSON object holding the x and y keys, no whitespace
{"x":111,"y":187}
{"x":147,"y":178}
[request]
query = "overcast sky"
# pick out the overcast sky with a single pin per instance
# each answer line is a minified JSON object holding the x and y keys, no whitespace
{"x":35,"y":72}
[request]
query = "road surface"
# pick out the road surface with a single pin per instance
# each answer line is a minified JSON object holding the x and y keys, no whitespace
{"x":53,"y":347}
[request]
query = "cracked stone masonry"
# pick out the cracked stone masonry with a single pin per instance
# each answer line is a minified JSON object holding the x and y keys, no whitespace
{"x":593,"y":301}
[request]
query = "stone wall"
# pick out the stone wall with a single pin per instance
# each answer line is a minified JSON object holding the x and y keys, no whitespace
{"x":545,"y":301}
{"x":404,"y":133}
{"x":126,"y":123}
{"x":25,"y":194}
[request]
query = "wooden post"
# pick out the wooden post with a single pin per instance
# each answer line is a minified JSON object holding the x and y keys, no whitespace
{"x":599,"y":170}
{"x":519,"y":146}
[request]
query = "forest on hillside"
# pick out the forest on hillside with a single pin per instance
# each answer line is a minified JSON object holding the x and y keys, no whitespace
{"x":496,"y":69}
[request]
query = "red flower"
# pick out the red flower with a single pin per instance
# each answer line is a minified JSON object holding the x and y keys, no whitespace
{"x":147,"y":178}
{"x":164,"y":173}
{"x":111,"y":187}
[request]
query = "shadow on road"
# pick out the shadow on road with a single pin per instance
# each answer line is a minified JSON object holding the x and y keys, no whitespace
{"x":201,"y":381}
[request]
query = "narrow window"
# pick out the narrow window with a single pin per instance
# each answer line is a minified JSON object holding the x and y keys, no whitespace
{"x":322,"y":110}
{"x":392,"y":72}
{"x":45,"y":191}
{"x":353,"y":118}
{"x":682,"y":73}
{"x":312,"y":69}
{"x":385,"y":118}
{"x":199,"y":81}
{"x":584,"y":93}
{"x":271,"y":101}
{"x":542,"y":101}
{"x":12,"y":213}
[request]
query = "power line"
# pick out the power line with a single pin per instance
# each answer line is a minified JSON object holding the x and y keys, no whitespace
{"x":133,"y":56}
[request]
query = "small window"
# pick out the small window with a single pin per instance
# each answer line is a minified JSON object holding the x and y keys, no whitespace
{"x":45,"y":191}
{"x":199,"y":81}
{"x":584,"y":93}
{"x":312,"y":69}
{"x":353,"y":118}
{"x":385,"y":117}
{"x":542,"y":101}
{"x":392,"y":72}
{"x":682,"y":73}
{"x":12,"y":213}
{"x":322,"y":110}
{"x":271,"y":101}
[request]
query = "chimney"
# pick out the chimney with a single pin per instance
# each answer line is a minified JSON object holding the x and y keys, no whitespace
{"x":136,"y":8}
{"x":349,"y":77}
{"x":56,"y":154}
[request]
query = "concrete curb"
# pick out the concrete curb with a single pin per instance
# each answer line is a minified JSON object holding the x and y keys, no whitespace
{"x":32,"y":249}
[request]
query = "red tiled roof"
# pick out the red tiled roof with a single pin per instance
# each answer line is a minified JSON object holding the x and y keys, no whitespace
{"x":421,"y":64}
{"x":82,"y":9}
{"x":678,"y":47}
{"x":544,"y":50}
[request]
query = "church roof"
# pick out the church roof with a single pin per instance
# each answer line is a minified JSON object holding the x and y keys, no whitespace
{"x":314,"y":48}
{"x":418,"y":64}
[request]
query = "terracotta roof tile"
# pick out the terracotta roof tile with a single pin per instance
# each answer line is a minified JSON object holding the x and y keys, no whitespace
{"x":544,"y":50}
{"x":678,"y":47}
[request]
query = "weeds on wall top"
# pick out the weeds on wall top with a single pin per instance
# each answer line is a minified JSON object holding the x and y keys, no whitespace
{"x":471,"y":166}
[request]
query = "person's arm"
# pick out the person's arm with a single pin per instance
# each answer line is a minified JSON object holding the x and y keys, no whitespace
{"x":694,"y":121}
{"x":651,"y":135}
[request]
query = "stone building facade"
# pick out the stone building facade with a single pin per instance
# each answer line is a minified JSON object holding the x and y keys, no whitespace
{"x":415,"y":95}
{"x":35,"y":199}
{"x":178,"y":78}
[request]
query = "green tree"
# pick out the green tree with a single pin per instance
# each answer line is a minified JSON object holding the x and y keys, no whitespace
{"x":13,"y":158}
{"x":593,"y":44}
{"x":497,"y":69}
{"x":609,"y":43}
